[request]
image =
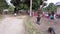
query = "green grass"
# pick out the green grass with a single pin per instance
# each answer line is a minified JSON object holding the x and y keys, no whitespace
{"x":30,"y":27}
{"x":1,"y":17}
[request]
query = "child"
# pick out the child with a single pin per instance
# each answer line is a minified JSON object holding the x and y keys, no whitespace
{"x":38,"y":19}
{"x":51,"y":17}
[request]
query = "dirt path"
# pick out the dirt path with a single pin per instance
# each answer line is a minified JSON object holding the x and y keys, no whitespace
{"x":46,"y":23}
{"x":12,"y":25}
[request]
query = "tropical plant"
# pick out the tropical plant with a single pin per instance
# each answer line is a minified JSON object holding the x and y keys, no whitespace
{"x":3,"y":5}
{"x":11,"y":9}
{"x":26,"y":4}
{"x":50,"y":7}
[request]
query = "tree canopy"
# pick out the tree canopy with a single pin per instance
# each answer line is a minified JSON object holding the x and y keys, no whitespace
{"x":25,"y":4}
{"x":50,"y":7}
{"x":11,"y":9}
{"x":36,"y":4}
{"x":3,"y":5}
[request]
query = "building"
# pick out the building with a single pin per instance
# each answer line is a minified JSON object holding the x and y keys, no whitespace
{"x":58,"y":7}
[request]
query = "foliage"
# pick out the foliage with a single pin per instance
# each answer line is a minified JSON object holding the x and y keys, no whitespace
{"x":30,"y":27}
{"x":36,"y":4}
{"x":25,"y":7}
{"x":26,"y":4}
{"x":21,"y":4}
{"x":15,"y":2}
{"x":11,"y":9}
{"x":50,"y":7}
{"x":3,"y":5}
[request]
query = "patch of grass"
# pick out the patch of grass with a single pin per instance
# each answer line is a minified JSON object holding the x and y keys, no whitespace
{"x":1,"y":17}
{"x":30,"y":27}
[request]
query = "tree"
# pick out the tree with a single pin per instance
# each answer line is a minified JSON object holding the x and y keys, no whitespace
{"x":35,"y":3}
{"x":15,"y":2}
{"x":50,"y":7}
{"x":11,"y":9}
{"x":3,"y":5}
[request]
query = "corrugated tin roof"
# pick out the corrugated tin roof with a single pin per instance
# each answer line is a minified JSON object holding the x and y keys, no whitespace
{"x":58,"y":3}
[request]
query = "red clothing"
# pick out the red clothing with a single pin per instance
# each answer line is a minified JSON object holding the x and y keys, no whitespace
{"x":43,"y":15}
{"x":36,"y":13}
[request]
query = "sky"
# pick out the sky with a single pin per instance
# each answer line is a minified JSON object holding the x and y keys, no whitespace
{"x":53,"y":1}
{"x":8,"y":1}
{"x":49,"y":1}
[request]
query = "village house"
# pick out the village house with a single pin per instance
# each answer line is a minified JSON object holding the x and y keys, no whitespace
{"x":58,"y":8}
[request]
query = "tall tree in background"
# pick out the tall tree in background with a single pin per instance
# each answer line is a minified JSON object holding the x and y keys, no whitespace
{"x":51,"y":7}
{"x":36,"y":4}
{"x":26,"y":3}
{"x":21,"y":4}
{"x":3,"y":5}
{"x":11,"y":9}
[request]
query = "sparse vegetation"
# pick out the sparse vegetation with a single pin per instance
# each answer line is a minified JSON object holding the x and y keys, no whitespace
{"x":30,"y":27}
{"x":1,"y":17}
{"x":11,"y":9}
{"x":3,"y":5}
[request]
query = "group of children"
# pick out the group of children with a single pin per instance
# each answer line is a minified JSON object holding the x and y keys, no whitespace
{"x":51,"y":16}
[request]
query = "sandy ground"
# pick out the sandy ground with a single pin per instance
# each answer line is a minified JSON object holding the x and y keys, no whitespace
{"x":12,"y":25}
{"x":46,"y":23}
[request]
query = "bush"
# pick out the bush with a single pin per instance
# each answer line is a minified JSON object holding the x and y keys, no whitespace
{"x":11,"y":9}
{"x":30,"y":27}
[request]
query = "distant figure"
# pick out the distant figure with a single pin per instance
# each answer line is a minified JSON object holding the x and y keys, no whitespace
{"x":38,"y":19}
{"x":54,"y":16}
{"x":43,"y":14}
{"x":15,"y":11}
{"x":51,"y":17}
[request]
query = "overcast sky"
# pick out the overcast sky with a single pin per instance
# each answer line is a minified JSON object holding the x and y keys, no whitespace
{"x":53,"y":1}
{"x":49,"y":1}
{"x":8,"y":1}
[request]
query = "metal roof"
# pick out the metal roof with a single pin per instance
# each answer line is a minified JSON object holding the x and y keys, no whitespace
{"x":58,"y":4}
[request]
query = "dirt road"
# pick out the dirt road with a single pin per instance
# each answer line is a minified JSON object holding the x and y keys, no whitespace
{"x":46,"y":23}
{"x":12,"y":25}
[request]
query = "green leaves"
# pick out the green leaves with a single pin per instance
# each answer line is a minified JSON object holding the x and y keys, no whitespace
{"x":11,"y":9}
{"x":26,"y":4}
{"x":36,"y":4}
{"x":3,"y":5}
{"x":51,"y":7}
